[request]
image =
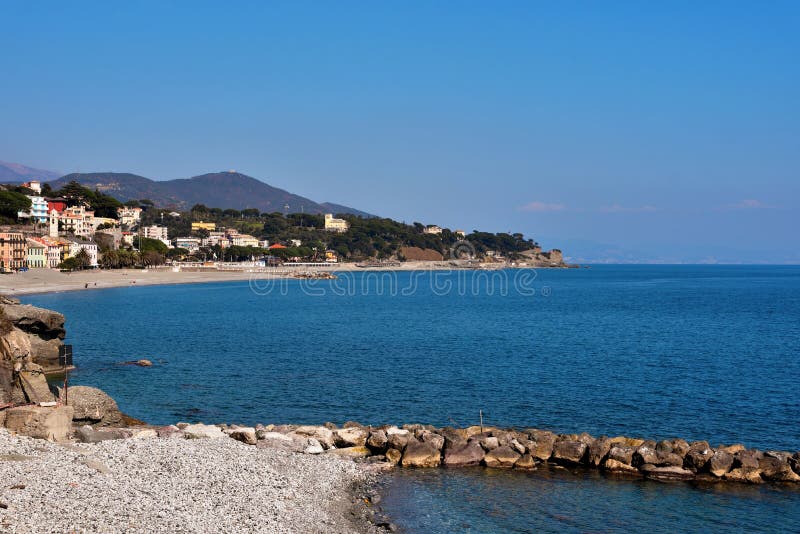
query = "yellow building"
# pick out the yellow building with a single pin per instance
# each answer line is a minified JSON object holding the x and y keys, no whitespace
{"x":210,"y":226}
{"x":335,"y":225}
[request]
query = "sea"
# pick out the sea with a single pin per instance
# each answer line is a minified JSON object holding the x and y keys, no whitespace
{"x":698,"y":352}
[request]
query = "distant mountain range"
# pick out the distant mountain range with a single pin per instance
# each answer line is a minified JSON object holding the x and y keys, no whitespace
{"x":215,"y":190}
{"x":14,"y":172}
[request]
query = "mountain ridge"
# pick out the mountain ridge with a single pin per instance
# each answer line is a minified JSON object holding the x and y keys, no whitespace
{"x":227,"y":189}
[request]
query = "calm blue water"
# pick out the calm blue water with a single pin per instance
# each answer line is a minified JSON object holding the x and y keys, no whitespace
{"x":703,"y":352}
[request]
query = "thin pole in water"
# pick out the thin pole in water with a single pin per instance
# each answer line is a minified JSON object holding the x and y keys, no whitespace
{"x":480,"y":413}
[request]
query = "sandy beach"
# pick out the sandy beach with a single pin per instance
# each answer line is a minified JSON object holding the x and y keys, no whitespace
{"x":53,"y":281}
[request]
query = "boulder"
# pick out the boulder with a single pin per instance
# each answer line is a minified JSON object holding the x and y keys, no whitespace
{"x":720,"y":463}
{"x":93,"y":406}
{"x":525,"y":461}
{"x":313,"y":447}
{"x":320,"y":433}
{"x":544,"y":442}
{"x":742,"y":474}
{"x":664,"y":446}
{"x":168,"y":431}
{"x":747,"y":459}
{"x":569,"y":452}
{"x":397,"y":438}
{"x":245,"y":435}
{"x":357,"y":451}
{"x":50,"y":423}
{"x":43,"y":328}
{"x":393,"y":456}
{"x":433,"y":439}
{"x":87,"y":434}
{"x":666,"y":473}
{"x":776,"y":470}
{"x":143,"y":363}
{"x":420,"y":454}
{"x":615,"y":466}
{"x":698,"y":455}
{"x":598,"y":450}
{"x":794,"y":461}
{"x":489,"y":443}
{"x":463,"y":454}
{"x":621,"y":454}
{"x":201,"y":431}
{"x":680,"y":447}
{"x":503,"y":456}
{"x":644,"y":455}
{"x":669,"y":458}
{"x":351,"y":436}
{"x":517,"y":446}
{"x":378,"y":441}
{"x":732,"y":449}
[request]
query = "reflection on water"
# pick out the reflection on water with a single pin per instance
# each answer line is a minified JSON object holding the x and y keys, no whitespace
{"x":556,"y":500}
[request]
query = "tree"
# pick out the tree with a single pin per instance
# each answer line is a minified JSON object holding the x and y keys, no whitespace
{"x":11,"y":203}
{"x":151,"y":245}
{"x":82,"y":259}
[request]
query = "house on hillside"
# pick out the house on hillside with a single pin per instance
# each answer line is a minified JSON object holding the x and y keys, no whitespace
{"x":333,"y":224}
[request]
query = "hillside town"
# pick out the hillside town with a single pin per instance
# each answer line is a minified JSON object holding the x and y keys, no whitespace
{"x":75,"y":228}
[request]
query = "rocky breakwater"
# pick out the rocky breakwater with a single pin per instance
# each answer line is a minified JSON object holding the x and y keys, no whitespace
{"x":424,"y":446}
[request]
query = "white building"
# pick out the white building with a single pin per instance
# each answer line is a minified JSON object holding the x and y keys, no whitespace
{"x":75,"y":219}
{"x":432,"y":229}
{"x":335,"y":225}
{"x":129,"y":216}
{"x":89,"y":246}
{"x":192,"y":244}
{"x":155,"y":232}
{"x":244,"y":240}
{"x":38,"y":211}
{"x":35,"y":185}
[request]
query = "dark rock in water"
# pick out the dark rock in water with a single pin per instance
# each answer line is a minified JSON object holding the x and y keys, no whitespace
{"x":397,"y":440}
{"x":680,"y":447}
{"x":569,"y":452}
{"x":669,"y":458}
{"x":776,"y":470}
{"x":545,"y":441}
{"x":621,"y":454}
{"x":433,"y":439}
{"x":503,"y":456}
{"x":666,"y":473}
{"x":463,"y":454}
{"x":748,"y":475}
{"x":420,"y":454}
{"x":645,"y":455}
{"x":664,"y":446}
{"x":720,"y":463}
{"x":451,"y":436}
{"x":598,"y":450}
{"x":93,"y":406}
{"x":698,"y":455}
{"x":747,"y":459}
{"x":794,"y":461}
{"x":525,"y":461}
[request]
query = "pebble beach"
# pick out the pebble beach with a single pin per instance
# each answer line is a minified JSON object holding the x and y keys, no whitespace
{"x":175,"y":485}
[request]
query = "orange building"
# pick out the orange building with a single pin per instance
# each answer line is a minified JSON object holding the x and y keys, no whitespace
{"x":12,"y":251}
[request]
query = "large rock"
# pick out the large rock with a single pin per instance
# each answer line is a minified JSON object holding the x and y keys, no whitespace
{"x":598,"y":450}
{"x":378,"y":441}
{"x":320,"y":433}
{"x":615,"y":466}
{"x":201,"y":431}
{"x":645,"y":455}
{"x":246,"y":435}
{"x":503,"y":456}
{"x":87,"y":434}
{"x":43,"y":328}
{"x":544,"y":442}
{"x":397,"y":438}
{"x":50,"y":423}
{"x":464,"y":453}
{"x":777,"y":470}
{"x":741,"y":474}
{"x":352,"y":436}
{"x":93,"y":406}
{"x":621,"y":454}
{"x":569,"y":452}
{"x":420,"y":454}
{"x":666,"y":473}
{"x":698,"y":455}
{"x":720,"y":463}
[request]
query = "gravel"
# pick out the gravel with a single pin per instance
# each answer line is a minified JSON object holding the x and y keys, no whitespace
{"x":175,"y":485}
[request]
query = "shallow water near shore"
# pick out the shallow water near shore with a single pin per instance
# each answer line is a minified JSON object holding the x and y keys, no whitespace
{"x":698,"y":352}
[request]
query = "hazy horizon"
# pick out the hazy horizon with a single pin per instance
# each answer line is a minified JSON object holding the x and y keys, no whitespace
{"x":621,"y":131}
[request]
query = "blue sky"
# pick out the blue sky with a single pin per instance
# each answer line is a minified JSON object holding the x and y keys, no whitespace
{"x":616,"y":130}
